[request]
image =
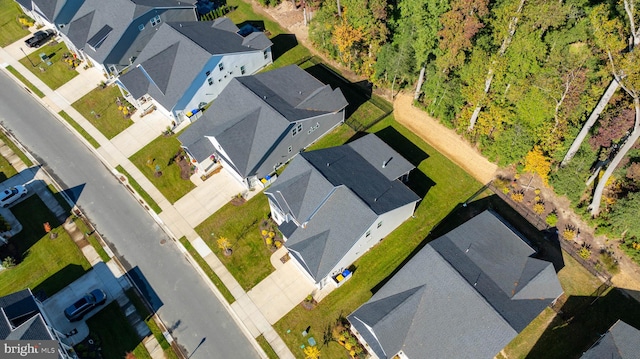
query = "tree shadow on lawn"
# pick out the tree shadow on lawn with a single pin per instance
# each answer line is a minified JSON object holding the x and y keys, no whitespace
{"x":545,"y":248}
{"x":58,"y":280}
{"x":581,"y":321}
{"x":355,"y":93}
{"x":282,"y":43}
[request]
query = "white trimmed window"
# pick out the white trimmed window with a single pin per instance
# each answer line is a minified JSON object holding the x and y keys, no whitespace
{"x":155,"y":20}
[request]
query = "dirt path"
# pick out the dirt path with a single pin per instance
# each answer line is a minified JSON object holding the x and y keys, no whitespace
{"x":445,"y":140}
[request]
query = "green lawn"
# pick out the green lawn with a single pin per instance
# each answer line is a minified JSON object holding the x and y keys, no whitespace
{"x":48,"y":264}
{"x":95,"y":243}
{"x":285,"y":49}
{"x":12,"y":31}
{"x":158,"y":153}
{"x":56,"y":75}
{"x":337,"y":137}
{"x":213,"y":277}
{"x":79,"y":128}
{"x":117,"y":337}
{"x":449,"y":186}
{"x":249,"y":263}
{"x":100,"y":108}
{"x":26,"y":82}
{"x":264,"y":344}
{"x":136,"y":186}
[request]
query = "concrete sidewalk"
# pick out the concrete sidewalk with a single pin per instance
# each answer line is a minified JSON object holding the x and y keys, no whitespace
{"x":178,"y":219}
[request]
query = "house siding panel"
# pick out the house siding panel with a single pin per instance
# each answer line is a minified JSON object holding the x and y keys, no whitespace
{"x":390,"y":221}
{"x":280,"y":153}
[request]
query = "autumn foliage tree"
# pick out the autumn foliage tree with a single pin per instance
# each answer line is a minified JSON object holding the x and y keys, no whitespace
{"x":536,"y":162}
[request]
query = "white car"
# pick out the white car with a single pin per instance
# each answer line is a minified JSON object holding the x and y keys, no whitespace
{"x":10,"y":195}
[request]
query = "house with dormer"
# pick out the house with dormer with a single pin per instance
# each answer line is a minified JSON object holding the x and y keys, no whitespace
{"x":48,"y":12}
{"x":22,"y":318}
{"x":466,"y":294}
{"x":187,"y":65}
{"x":621,"y":341}
{"x":112,"y":34}
{"x":333,"y":205}
{"x":260,"y":122}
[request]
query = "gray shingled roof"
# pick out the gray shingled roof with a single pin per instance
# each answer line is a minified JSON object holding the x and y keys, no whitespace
{"x":378,"y":153}
{"x":621,"y":341}
{"x":250,"y":115}
{"x":177,"y":53}
{"x":330,"y":234}
{"x":93,"y":15}
{"x":457,"y":297}
{"x":328,"y":200}
{"x":342,"y":165}
{"x":20,"y":318}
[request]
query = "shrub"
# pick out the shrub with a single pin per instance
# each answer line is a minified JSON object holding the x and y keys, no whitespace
{"x":538,"y":208}
{"x":517,"y":196}
{"x":610,"y":263}
{"x":311,"y":352}
{"x":8,"y":262}
{"x":584,"y":252}
{"x":569,"y":233}
{"x":552,"y":219}
{"x":269,"y":241}
{"x":224,"y":244}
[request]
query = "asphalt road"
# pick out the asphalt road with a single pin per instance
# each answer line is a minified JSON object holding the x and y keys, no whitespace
{"x":187,"y":307}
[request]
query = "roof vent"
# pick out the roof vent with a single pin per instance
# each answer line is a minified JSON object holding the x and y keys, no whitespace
{"x":264,"y":97}
{"x":180,"y":25}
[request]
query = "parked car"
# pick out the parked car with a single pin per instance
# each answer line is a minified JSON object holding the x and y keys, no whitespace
{"x":84,"y":305}
{"x":10,"y":195}
{"x":39,"y":38}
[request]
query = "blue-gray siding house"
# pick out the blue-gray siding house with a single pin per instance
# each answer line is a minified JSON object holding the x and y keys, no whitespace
{"x":466,"y":294}
{"x":112,"y":34}
{"x":260,"y":122}
{"x":333,"y":205}
{"x":187,"y":65}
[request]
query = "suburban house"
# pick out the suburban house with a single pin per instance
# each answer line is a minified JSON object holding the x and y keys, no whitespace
{"x":112,"y":34}
{"x":621,"y":341}
{"x":466,"y":294}
{"x":260,"y":122}
{"x":187,"y":64}
{"x":50,"y":12}
{"x":332,"y":205}
{"x":21,"y":318}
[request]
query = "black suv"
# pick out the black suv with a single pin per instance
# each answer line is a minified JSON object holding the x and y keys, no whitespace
{"x":39,"y":38}
{"x":84,"y":305}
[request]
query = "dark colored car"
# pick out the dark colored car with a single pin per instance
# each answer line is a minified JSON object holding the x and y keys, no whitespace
{"x":39,"y":38}
{"x":84,"y":305}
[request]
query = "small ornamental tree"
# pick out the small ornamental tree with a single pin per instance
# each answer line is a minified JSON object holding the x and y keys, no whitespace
{"x":538,"y":208}
{"x":225,"y":245}
{"x":311,"y":352}
{"x":536,"y":162}
{"x":552,"y":219}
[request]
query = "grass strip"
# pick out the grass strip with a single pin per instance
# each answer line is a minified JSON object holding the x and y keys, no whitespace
{"x":147,"y":198}
{"x":80,"y":129}
{"x":264,"y":344}
{"x":31,"y":87}
{"x":208,"y":271}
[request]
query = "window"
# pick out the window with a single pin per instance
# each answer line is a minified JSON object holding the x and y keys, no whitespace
{"x":379,"y":224}
{"x":290,"y":149}
{"x":141,"y":27}
{"x":297,"y":129}
{"x":221,"y":66}
{"x":208,"y":73}
{"x":242,"y":71}
{"x":155,"y":20}
{"x":265,"y":53}
{"x":368,"y":234}
{"x":210,"y":81}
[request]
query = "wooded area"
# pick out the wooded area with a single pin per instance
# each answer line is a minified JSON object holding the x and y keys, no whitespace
{"x":557,"y":80}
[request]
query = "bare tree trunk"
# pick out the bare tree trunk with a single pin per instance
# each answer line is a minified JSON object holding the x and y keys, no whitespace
{"x":629,"y":8}
{"x":416,"y":94}
{"x":503,"y":49}
{"x":594,"y":207}
{"x":339,"y":11}
{"x":604,"y":100}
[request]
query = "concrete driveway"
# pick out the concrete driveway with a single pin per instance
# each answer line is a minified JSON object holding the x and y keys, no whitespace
{"x":100,"y":277}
